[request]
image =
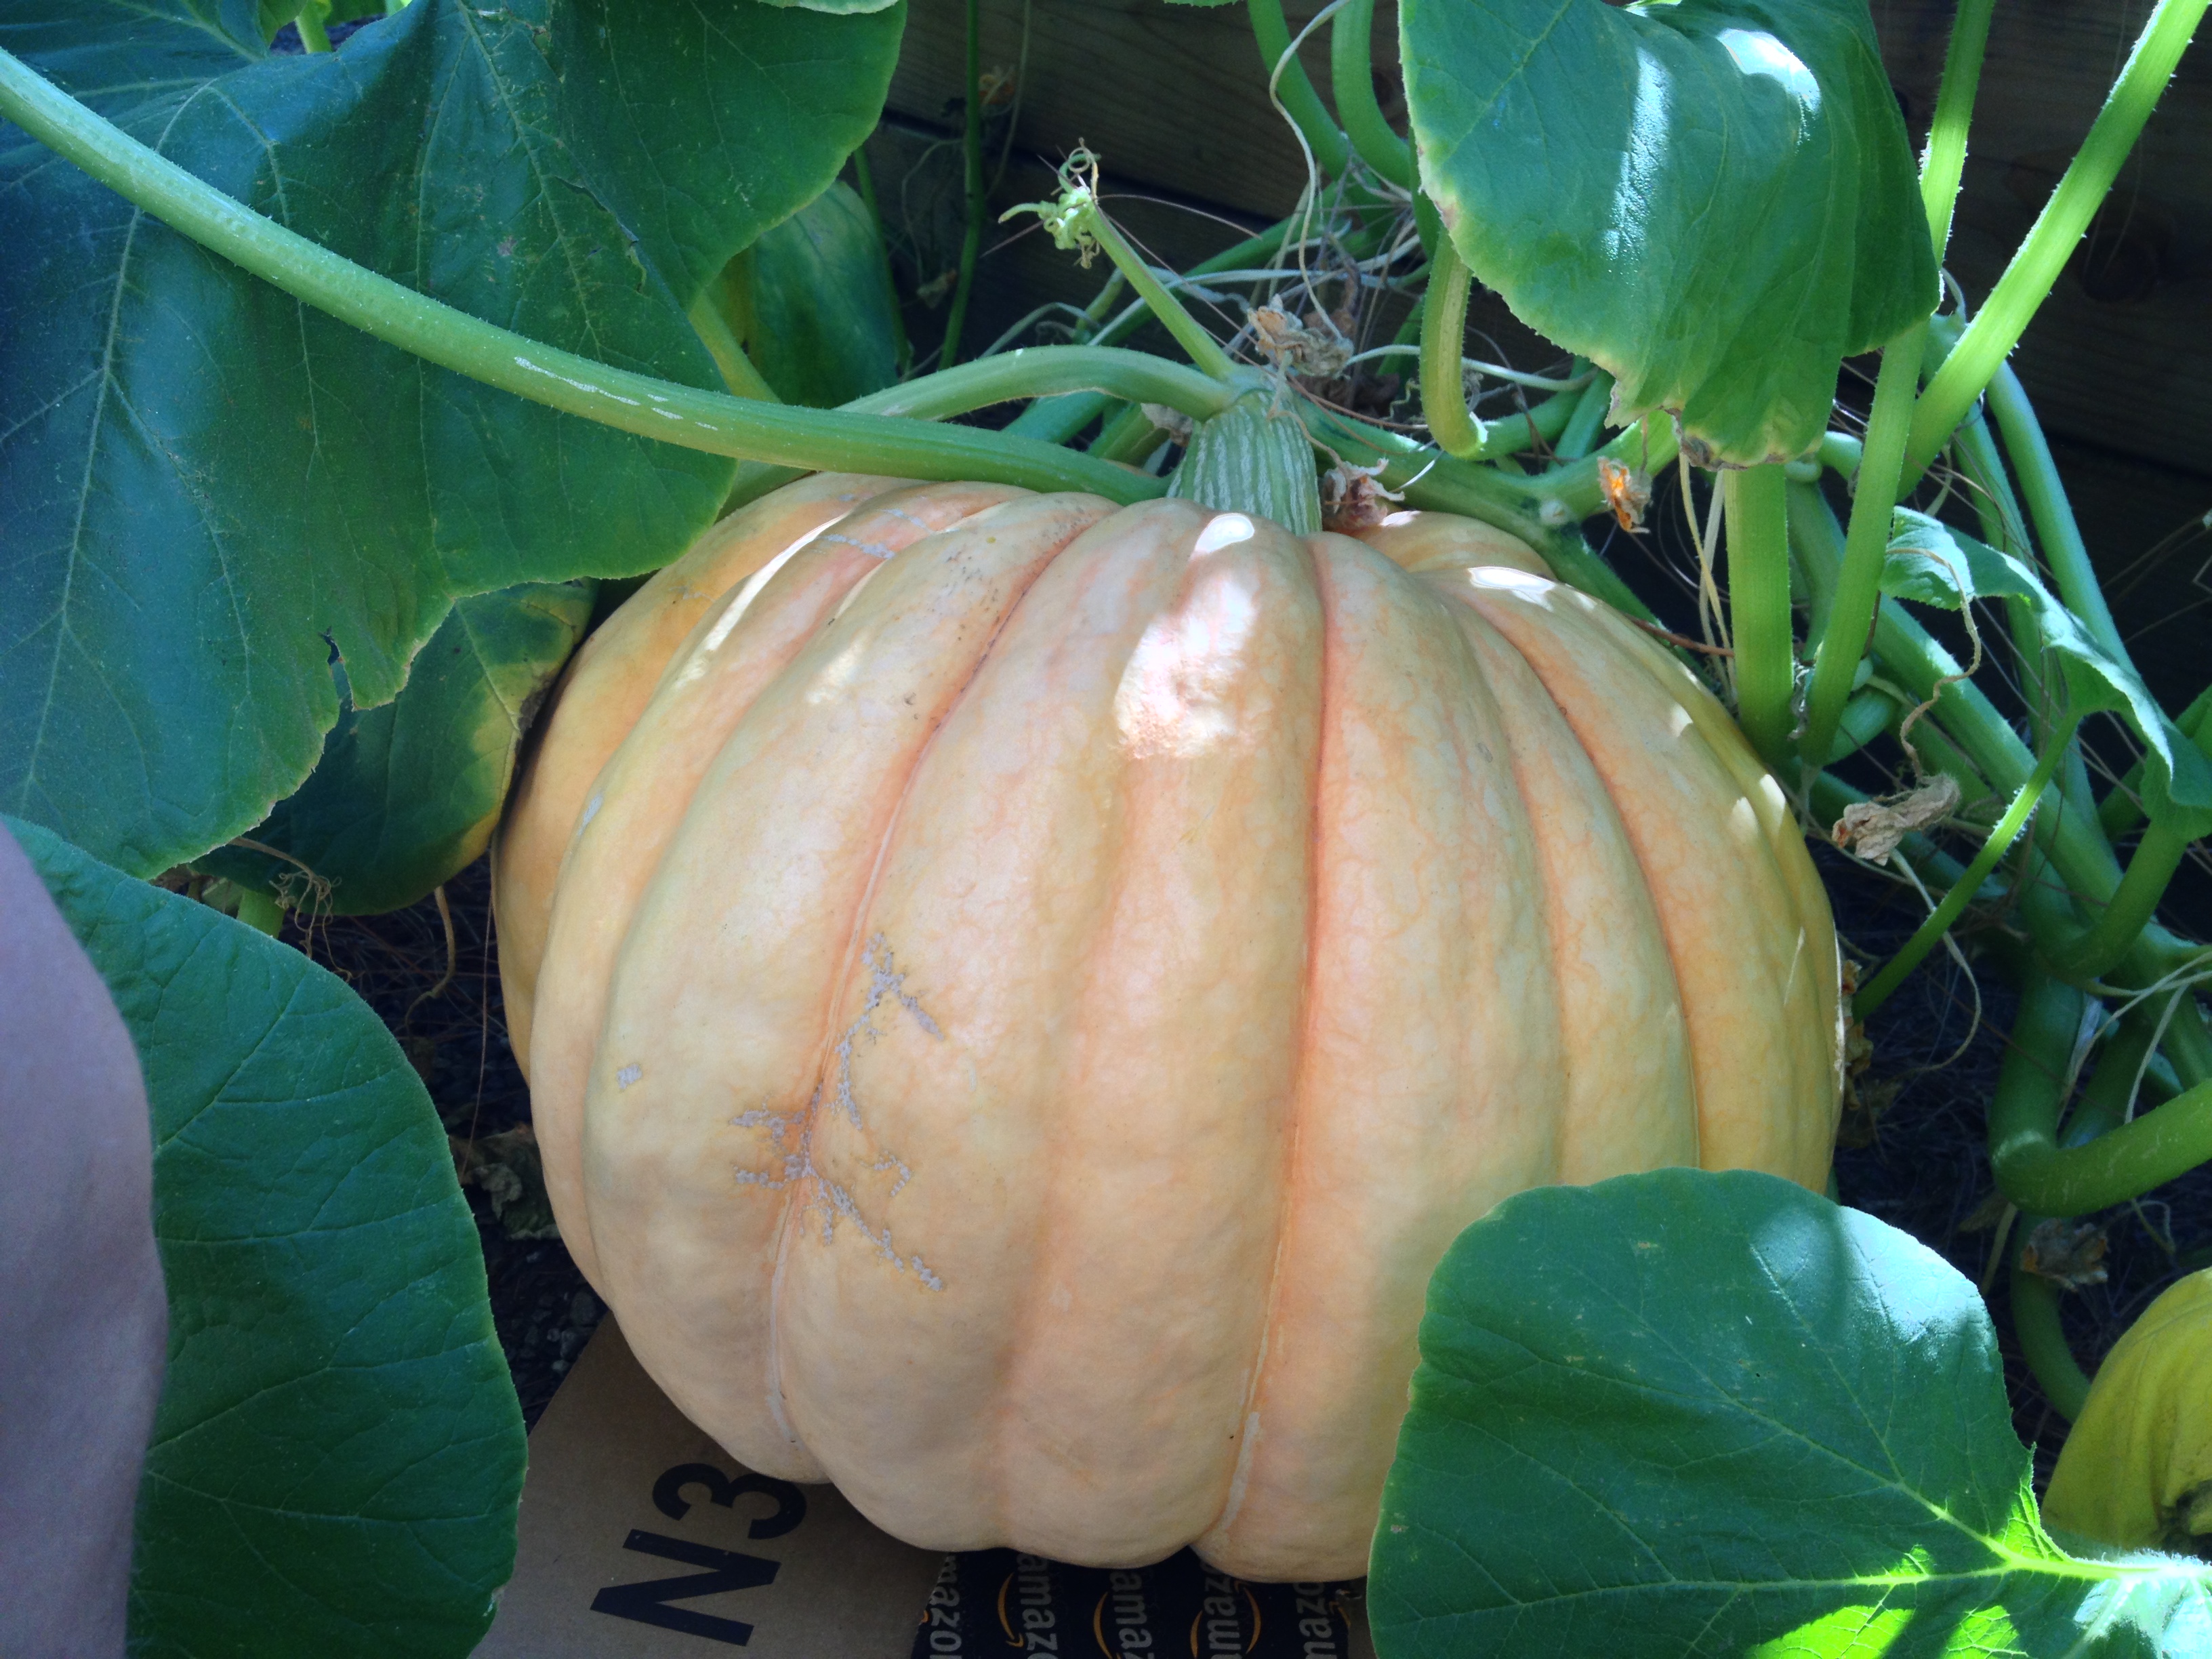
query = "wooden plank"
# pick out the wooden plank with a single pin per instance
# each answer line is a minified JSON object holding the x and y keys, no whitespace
{"x":2120,"y":354}
{"x":1171,"y":95}
{"x":1174,"y":97}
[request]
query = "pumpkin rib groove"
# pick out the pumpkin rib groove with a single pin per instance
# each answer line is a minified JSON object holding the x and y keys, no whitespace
{"x":1731,"y":1078}
{"x":1248,"y":1417}
{"x":1557,"y":777}
{"x":705,"y":682}
{"x":863,"y":916}
{"x":1645,"y":874}
{"x":978,"y":930}
{"x":603,"y":691}
{"x":1149,"y":773}
{"x":1403,"y":1078}
{"x":1799,"y":877}
{"x":1792,"y":868}
{"x":777,"y":837}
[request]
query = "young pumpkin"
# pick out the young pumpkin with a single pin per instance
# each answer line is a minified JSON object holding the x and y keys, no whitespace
{"x":1018,"y":1000}
{"x":2136,"y":1470}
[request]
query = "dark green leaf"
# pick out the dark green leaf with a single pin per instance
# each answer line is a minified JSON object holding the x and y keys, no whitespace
{"x":1714,"y":199}
{"x":1934,"y":564}
{"x":338,"y":1454}
{"x":407,"y":795}
{"x":1685,"y":1413}
{"x":814,"y":305}
{"x":207,"y":484}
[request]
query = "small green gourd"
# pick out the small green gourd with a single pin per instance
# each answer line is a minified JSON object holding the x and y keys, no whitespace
{"x":2136,"y":1471}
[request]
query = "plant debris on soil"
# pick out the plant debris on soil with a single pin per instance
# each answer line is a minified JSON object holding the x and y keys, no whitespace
{"x":1912,"y":1150}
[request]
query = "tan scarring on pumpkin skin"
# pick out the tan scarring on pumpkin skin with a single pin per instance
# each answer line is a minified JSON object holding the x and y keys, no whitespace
{"x":1748,"y":972}
{"x":639,"y":799}
{"x":718,"y":1027}
{"x":1097,"y":892}
{"x":601,"y":693}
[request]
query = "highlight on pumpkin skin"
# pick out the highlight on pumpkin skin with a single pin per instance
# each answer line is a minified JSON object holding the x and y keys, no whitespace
{"x":1419,"y":542}
{"x":961,"y":933}
{"x":642,"y":790}
{"x":599,"y":698}
{"x":1174,"y":698}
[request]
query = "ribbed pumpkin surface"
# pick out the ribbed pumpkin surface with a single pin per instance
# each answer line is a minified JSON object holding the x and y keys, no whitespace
{"x":1016,"y":1023}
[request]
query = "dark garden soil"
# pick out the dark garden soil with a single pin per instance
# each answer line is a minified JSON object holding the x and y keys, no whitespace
{"x":1913,"y":1152}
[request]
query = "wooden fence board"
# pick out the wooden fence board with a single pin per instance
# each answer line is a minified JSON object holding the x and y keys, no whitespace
{"x":1173,"y":97}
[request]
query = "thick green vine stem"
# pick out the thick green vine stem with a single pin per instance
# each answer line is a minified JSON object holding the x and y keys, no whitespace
{"x":1581,"y":433}
{"x":1351,"y":77}
{"x":1917,"y":661}
{"x":2036,"y":1322}
{"x":1129,"y":436}
{"x":1090,"y":376}
{"x":1759,"y":605}
{"x":1045,"y":371}
{"x":727,"y":351}
{"x":1444,"y":328}
{"x":314,"y":35}
{"x":1292,"y":88}
{"x":831,"y":440}
{"x":1877,"y":990}
{"x":1866,"y":545}
{"x":2057,"y":230}
{"x":2032,"y":1168}
{"x":2054,"y":524}
{"x":1080,"y":226}
{"x":2150,"y":870}
{"x":1944,"y":163}
{"x":256,"y":909}
{"x":971,"y":158}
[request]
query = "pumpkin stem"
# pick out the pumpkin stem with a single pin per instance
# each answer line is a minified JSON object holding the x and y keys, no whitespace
{"x":1079,"y":225}
{"x":1253,"y":457}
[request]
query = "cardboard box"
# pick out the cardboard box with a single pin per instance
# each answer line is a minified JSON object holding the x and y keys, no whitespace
{"x":642,"y":1538}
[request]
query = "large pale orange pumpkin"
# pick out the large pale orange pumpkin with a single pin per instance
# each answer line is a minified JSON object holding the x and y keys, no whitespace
{"x":1019,"y":994}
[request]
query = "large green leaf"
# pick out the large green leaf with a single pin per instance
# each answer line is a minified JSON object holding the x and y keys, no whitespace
{"x":407,"y":795}
{"x":1685,"y":1413}
{"x":338,"y":1453}
{"x":204,"y":485}
{"x":812,"y":301}
{"x":1931,"y":563}
{"x":1712,"y":198}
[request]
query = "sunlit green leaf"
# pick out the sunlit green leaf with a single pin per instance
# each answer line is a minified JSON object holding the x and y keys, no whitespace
{"x":1712,"y":198}
{"x":338,"y":1453}
{"x":206,"y":484}
{"x":1931,"y":562}
{"x":1694,"y":1414}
